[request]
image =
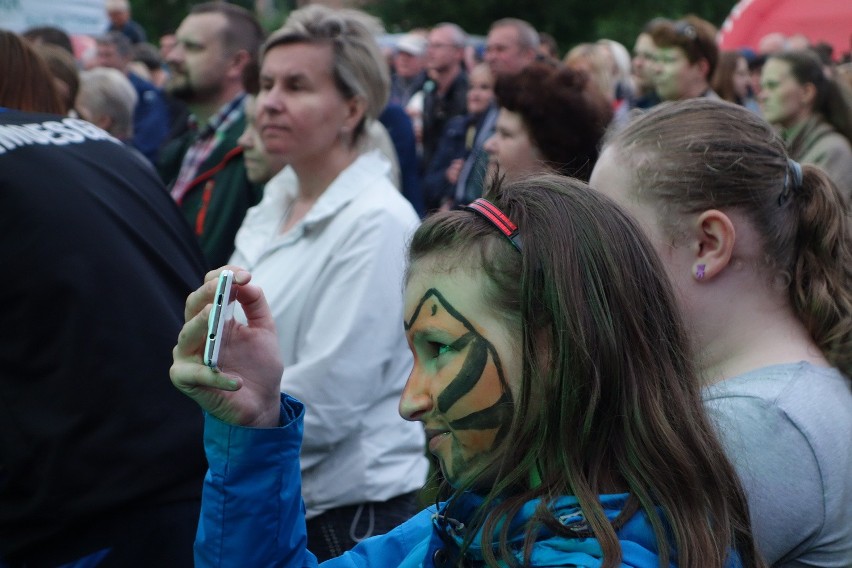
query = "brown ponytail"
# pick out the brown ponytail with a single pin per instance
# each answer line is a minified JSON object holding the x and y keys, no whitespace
{"x":702,"y":154}
{"x":821,"y":273}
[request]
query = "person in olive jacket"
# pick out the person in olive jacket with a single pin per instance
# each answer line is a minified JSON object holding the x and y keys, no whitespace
{"x":202,"y":167}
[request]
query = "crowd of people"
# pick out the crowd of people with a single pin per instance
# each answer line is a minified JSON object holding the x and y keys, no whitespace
{"x":603,"y":302}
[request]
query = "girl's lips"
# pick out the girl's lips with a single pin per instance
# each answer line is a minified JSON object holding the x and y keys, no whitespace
{"x":435,"y":438}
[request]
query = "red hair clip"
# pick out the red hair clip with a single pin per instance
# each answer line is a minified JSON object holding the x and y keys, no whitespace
{"x":497,"y":218}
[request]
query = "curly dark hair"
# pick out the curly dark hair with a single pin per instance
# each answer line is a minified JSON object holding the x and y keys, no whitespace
{"x":565,"y":116}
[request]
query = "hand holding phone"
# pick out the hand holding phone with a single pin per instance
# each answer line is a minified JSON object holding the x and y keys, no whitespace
{"x":220,"y":320}
{"x":247,"y":391}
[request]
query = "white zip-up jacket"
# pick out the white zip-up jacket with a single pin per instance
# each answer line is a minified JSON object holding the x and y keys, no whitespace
{"x":334,"y":282}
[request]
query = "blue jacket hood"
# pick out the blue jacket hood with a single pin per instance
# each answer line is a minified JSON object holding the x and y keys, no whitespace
{"x":638,"y":543}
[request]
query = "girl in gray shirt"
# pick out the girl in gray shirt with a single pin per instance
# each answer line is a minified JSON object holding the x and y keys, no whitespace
{"x":758,"y":248}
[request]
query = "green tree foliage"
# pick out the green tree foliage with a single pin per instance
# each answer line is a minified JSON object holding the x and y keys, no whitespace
{"x":569,"y":21}
{"x":163,"y":16}
{"x":159,"y":16}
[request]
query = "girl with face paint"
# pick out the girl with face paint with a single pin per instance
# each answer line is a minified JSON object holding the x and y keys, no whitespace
{"x":552,"y":376}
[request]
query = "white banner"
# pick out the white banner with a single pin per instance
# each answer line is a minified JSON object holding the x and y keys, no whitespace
{"x":74,"y":16}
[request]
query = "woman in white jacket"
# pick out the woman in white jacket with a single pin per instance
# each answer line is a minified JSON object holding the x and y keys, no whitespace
{"x":327,"y":244}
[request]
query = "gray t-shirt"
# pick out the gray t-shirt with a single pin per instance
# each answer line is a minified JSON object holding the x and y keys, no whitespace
{"x":788,"y":431}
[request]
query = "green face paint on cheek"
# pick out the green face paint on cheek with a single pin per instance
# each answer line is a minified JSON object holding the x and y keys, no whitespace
{"x":473,"y":398}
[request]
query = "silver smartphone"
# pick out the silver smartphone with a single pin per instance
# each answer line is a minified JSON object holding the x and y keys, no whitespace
{"x":220,"y":320}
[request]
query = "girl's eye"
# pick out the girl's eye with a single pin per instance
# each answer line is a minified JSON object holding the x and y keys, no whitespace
{"x":439,"y":348}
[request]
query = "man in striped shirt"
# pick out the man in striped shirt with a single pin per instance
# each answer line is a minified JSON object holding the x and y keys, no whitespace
{"x":203,"y":168}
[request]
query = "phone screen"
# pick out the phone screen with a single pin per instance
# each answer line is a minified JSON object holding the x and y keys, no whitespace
{"x":220,"y":320}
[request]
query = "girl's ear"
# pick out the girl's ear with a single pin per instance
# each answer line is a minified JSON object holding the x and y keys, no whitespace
{"x":715,"y":237}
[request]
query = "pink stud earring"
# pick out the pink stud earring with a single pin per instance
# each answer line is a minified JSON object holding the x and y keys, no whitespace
{"x":699,"y":271}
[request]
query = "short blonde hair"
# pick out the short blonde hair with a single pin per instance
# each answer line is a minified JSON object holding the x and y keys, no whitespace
{"x":359,"y":70}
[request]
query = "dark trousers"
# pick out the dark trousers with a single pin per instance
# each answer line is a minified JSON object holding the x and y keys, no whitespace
{"x":337,"y":530}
